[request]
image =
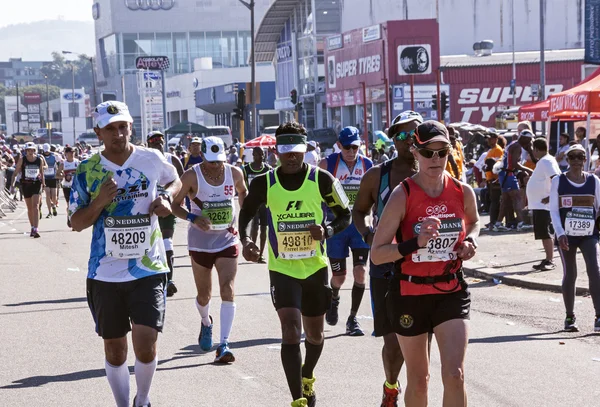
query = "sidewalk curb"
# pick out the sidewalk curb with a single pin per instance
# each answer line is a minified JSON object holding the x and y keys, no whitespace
{"x":472,"y":270}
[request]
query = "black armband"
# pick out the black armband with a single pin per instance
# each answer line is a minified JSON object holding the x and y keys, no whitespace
{"x":409,"y":246}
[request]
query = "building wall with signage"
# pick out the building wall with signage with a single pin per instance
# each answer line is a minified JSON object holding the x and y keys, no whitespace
{"x":73,"y":105}
{"x":363,"y":63}
{"x":463,"y":23}
{"x":180,"y":30}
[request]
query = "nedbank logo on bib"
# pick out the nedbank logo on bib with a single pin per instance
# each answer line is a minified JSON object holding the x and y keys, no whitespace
{"x":447,"y":226}
{"x":216,"y":205}
{"x":294,"y":226}
{"x":127,"y":221}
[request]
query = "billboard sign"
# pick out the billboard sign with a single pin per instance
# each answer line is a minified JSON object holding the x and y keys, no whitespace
{"x":31,"y":98}
{"x":414,"y":59}
{"x":592,"y":32}
{"x":159,"y":63}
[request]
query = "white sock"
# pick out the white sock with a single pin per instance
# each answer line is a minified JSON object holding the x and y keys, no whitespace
{"x":118,"y":378}
{"x":203,"y":310}
{"x":144,"y":372}
{"x":227,"y":315}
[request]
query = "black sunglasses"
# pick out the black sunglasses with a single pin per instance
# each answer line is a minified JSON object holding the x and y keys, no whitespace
{"x":351,"y":146}
{"x":425,"y":152}
{"x":579,"y":157}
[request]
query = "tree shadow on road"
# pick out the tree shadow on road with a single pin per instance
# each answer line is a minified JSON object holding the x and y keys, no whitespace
{"x":37,"y":381}
{"x":40,"y":302}
{"x":542,"y":336}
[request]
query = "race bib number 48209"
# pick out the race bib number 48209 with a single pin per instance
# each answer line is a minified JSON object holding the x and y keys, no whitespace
{"x":127,"y":237}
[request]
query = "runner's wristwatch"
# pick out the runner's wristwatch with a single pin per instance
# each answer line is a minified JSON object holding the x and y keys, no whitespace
{"x":472,"y":241}
{"x":166,"y":195}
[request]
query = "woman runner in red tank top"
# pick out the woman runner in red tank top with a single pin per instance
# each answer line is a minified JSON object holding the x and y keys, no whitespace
{"x":434,"y":218}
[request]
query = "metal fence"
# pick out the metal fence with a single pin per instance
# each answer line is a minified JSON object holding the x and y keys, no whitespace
{"x":6,"y":201}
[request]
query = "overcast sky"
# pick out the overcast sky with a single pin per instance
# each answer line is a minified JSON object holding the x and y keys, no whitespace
{"x":27,"y":11}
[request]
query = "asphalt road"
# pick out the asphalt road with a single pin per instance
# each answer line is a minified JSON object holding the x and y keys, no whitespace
{"x":50,"y":355}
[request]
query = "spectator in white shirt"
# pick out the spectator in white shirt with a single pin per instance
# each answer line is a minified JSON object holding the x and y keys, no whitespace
{"x":538,"y":198}
{"x":311,"y":156}
{"x":561,"y":153}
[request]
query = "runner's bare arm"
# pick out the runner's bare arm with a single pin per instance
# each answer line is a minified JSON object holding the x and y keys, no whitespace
{"x":257,"y":195}
{"x":17,"y":171}
{"x":178,"y":166}
{"x":467,"y":250}
{"x":323,"y":164}
{"x":188,"y":182}
{"x":382,"y":248}
{"x":364,"y":202}
{"x":43,"y":167}
{"x":240,"y":184}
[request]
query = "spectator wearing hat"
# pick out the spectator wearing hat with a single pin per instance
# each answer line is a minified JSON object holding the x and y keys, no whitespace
{"x":194,"y":156}
{"x":311,"y":156}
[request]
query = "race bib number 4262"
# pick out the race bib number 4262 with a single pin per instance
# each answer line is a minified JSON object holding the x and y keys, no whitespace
{"x":127,"y":237}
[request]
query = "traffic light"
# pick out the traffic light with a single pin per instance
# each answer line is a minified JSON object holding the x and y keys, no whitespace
{"x":434,"y":102}
{"x":238,"y":113}
{"x":294,"y":96}
{"x":445,"y":102}
{"x":241,"y":99}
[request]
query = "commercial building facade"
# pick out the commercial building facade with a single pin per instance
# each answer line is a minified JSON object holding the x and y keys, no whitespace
{"x":24,"y":73}
{"x":183,"y":31}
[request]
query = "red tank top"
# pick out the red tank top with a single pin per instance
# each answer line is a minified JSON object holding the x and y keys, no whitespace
{"x":439,"y":257}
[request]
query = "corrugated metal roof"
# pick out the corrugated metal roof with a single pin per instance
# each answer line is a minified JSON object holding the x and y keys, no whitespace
{"x":505,"y":58}
{"x":267,"y":35}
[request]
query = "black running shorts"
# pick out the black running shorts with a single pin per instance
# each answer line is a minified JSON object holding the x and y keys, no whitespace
{"x":31,"y":188}
{"x":51,"y":183}
{"x":412,"y":315}
{"x":311,"y":296}
{"x":67,"y":194}
{"x":381,"y":320}
{"x":115,"y":305}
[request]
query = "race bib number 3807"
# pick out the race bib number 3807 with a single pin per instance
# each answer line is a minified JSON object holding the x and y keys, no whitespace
{"x":127,"y":237}
{"x":442,"y":247}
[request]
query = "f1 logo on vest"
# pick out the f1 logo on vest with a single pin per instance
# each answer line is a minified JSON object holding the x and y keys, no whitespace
{"x":294,"y":204}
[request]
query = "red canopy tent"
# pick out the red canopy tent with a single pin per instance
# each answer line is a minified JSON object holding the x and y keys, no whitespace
{"x":535,"y":112}
{"x":262,"y":141}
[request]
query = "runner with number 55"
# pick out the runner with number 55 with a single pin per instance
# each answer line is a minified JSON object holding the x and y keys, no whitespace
{"x":212,"y":237}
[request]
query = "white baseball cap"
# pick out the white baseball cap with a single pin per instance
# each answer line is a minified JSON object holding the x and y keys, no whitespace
{"x":46,"y":147}
{"x":30,"y":145}
{"x":291,"y":143}
{"x":526,"y":133}
{"x":213,"y":149}
{"x":110,"y":112}
{"x":576,"y":147}
{"x":196,"y":140}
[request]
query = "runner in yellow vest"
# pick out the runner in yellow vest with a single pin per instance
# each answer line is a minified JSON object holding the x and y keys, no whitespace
{"x":294,"y":194}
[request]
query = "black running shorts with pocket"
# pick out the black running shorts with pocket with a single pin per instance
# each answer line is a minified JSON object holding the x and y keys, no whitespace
{"x":311,"y":296}
{"x":413,"y":315}
{"x":115,"y":306}
{"x":542,"y":225}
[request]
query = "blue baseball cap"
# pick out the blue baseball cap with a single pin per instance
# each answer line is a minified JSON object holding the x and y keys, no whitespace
{"x":349,"y":136}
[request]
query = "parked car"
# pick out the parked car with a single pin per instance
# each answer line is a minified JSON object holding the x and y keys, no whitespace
{"x":173,"y":142}
{"x":326,"y":138}
{"x":90,"y":138}
{"x":270,"y":130}
{"x":57,"y":138}
{"x":223,"y":132}
{"x":22,"y":137}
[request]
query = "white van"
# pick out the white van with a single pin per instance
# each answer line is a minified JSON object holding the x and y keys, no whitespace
{"x":223,"y":132}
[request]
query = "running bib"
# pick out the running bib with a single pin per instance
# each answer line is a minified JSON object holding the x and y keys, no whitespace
{"x":351,"y":191}
{"x":220,"y":214}
{"x":442,"y":247}
{"x":579,"y":221}
{"x":127,"y":237}
{"x":294,"y":240}
{"x":32,"y":173}
{"x":49,"y":171}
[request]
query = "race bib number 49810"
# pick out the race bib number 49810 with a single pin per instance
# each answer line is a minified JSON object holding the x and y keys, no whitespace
{"x":127,"y":237}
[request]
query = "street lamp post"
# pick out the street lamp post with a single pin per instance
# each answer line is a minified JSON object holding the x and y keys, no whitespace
{"x":48,"y":127}
{"x":91,"y":59}
{"x":250,"y":6}
{"x":73,"y":101}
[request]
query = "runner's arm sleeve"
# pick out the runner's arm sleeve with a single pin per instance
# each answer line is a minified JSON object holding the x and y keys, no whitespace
{"x":257,"y":195}
{"x":554,"y":213}
{"x":338,"y":204}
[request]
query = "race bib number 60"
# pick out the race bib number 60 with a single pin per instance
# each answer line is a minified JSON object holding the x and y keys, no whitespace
{"x":127,"y":237}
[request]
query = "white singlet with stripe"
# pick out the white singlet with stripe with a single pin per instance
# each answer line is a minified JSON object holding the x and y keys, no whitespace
{"x":218,"y":204}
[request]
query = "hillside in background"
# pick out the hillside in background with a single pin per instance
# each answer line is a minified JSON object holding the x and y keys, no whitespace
{"x":36,"y":41}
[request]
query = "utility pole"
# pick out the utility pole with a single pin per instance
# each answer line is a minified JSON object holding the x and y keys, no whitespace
{"x":73,"y":102}
{"x":18,"y":112}
{"x":48,"y":126}
{"x":514,"y":64}
{"x":250,"y":6}
{"x":542,"y":95}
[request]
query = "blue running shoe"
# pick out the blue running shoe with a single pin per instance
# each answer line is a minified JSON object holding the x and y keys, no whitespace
{"x":205,"y":339}
{"x":224,"y":355}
